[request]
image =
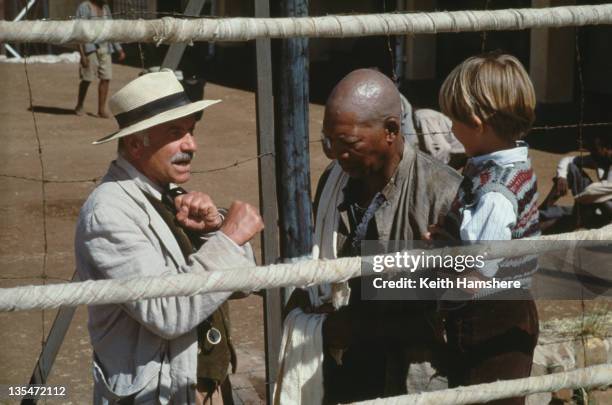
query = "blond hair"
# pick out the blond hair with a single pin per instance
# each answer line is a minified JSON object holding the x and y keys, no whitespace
{"x":496,"y":89}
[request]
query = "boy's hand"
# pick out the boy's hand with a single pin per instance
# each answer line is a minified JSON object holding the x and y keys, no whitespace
{"x":437,"y":231}
{"x":433,"y":233}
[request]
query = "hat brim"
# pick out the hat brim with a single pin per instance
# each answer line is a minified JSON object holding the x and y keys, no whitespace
{"x":166,"y":116}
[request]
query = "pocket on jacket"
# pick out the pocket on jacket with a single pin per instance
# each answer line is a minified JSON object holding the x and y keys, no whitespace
{"x":114,"y":395}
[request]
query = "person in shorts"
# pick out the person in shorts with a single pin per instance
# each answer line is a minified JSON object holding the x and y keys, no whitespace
{"x":96,"y":58}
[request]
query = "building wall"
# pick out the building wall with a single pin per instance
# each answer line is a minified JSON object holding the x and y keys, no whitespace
{"x":63,"y":9}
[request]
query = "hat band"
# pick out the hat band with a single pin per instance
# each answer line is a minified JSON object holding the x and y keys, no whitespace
{"x":151,"y":109}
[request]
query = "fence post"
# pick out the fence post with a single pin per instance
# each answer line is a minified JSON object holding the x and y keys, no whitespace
{"x":267,"y":196}
{"x":292,"y":141}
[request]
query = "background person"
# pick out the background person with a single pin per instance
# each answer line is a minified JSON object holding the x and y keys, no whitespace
{"x":96,"y":58}
{"x":593,"y":200}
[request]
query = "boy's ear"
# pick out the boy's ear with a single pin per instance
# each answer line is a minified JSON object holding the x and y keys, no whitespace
{"x":392,"y":128}
{"x":477,"y":123}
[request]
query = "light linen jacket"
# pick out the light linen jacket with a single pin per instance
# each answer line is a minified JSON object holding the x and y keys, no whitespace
{"x":145,"y":349}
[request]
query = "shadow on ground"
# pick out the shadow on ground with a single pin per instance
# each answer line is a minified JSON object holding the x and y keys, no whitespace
{"x":43,"y":109}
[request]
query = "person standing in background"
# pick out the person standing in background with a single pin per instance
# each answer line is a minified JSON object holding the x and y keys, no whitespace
{"x":96,"y":58}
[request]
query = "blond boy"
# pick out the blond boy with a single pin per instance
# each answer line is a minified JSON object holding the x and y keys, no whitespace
{"x":491,"y":102}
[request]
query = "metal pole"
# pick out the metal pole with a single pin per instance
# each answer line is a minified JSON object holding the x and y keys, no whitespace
{"x":175,"y":51}
{"x":53,"y":343}
{"x":23,"y":12}
{"x":267,"y":197}
{"x":19,"y":16}
{"x":292,"y":140}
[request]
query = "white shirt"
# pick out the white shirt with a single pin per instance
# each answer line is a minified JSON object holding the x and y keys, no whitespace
{"x":493,"y":217}
{"x":140,"y":179}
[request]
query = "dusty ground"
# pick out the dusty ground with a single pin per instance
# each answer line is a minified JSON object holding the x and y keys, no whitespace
{"x":227,"y":134}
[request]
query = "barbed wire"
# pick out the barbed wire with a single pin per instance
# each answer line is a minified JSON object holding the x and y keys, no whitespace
{"x":37,"y":179}
{"x":483,"y":34}
{"x":572,"y":126}
{"x":43,"y":276}
{"x":390,"y":50}
{"x":238,"y":163}
{"x":235,"y":164}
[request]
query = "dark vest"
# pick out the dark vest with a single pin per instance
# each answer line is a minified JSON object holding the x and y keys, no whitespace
{"x":213,"y":360}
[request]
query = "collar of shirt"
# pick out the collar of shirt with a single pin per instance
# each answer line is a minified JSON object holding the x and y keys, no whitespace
{"x":504,"y":157}
{"x":402,"y":173}
{"x":141,"y":181}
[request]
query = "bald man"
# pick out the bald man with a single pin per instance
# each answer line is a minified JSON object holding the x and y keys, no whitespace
{"x":377,"y":188}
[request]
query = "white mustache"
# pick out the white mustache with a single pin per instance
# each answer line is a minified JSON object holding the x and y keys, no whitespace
{"x":182,"y":157}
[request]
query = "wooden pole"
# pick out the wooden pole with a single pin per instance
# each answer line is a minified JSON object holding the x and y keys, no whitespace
{"x":267,"y":197}
{"x":292,"y":140}
{"x":292,"y":171}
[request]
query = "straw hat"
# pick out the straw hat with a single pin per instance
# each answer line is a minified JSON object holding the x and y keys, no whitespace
{"x":150,"y":100}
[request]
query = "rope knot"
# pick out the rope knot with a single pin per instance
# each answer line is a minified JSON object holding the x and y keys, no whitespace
{"x":163,"y":30}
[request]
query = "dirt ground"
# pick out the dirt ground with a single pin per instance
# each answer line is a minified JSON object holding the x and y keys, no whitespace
{"x":227,"y":134}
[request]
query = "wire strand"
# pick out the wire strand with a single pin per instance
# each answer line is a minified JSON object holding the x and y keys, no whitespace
{"x":44,"y":202}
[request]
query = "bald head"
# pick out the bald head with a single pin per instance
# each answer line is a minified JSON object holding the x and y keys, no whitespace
{"x":368,"y":94}
{"x":361,"y":126}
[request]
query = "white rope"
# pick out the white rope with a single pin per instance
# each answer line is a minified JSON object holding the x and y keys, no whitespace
{"x":174,"y":30}
{"x":300,"y":274}
{"x":590,"y":377}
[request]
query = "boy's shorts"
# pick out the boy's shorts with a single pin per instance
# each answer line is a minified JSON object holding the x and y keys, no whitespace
{"x":100,"y":64}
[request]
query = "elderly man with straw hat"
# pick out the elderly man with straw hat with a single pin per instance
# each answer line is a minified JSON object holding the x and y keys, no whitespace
{"x":137,"y":223}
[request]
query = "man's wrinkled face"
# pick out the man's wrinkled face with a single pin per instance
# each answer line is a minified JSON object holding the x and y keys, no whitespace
{"x":360,"y":148}
{"x":167,"y":157}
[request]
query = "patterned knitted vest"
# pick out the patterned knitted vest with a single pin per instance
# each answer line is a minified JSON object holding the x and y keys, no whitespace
{"x":518,"y":184}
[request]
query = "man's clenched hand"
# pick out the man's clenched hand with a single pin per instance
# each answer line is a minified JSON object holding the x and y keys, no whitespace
{"x":196,"y":211}
{"x":242,"y":222}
